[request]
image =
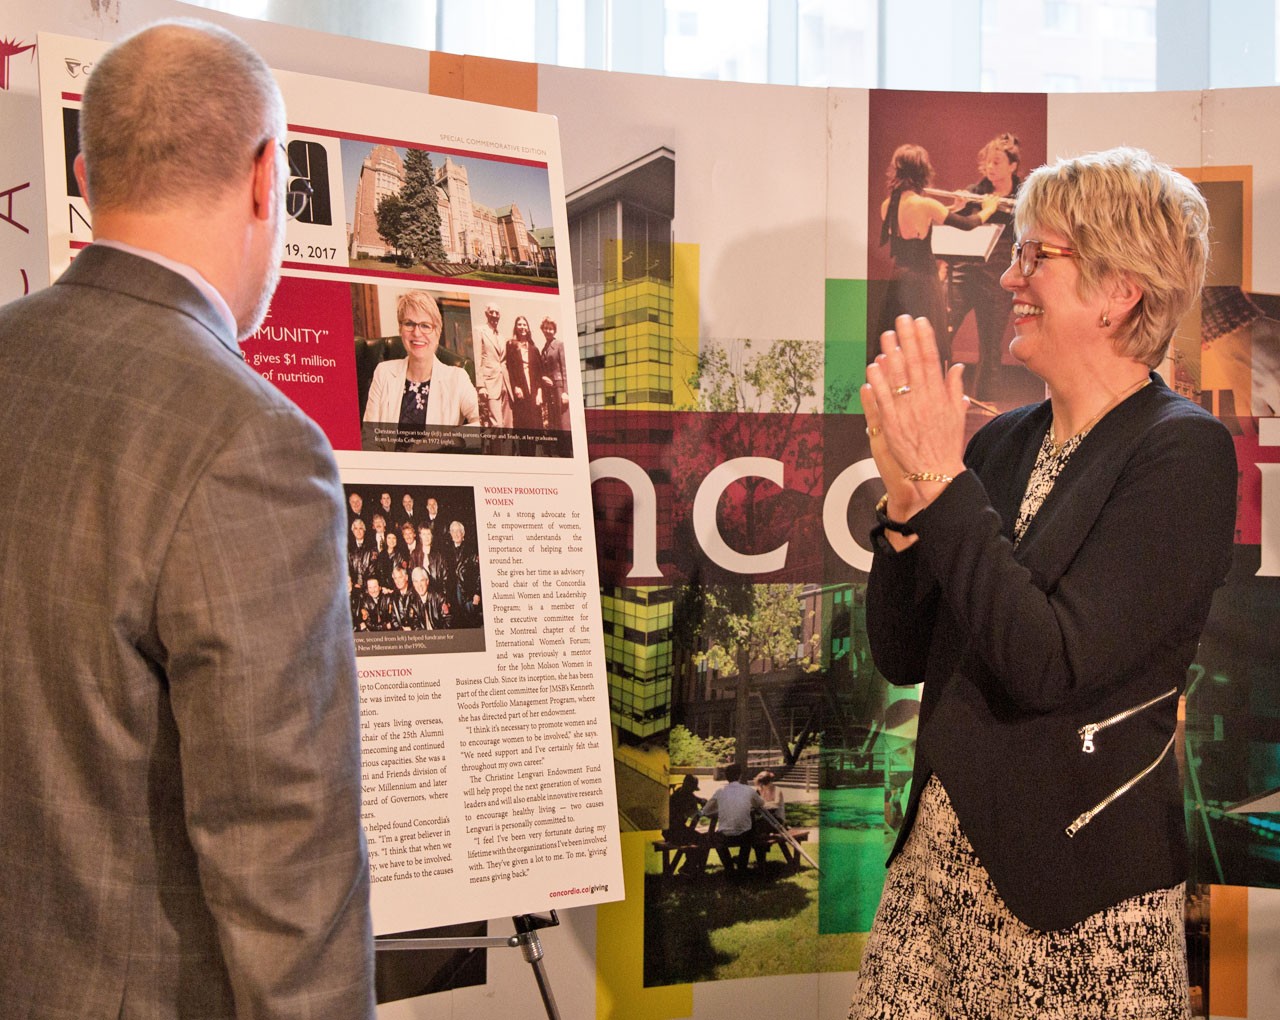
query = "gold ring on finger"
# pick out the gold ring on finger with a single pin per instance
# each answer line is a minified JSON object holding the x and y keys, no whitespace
{"x":874,"y":431}
{"x":901,"y":391}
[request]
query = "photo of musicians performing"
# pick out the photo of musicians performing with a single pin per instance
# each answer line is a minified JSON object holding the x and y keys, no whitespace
{"x":945,"y":169}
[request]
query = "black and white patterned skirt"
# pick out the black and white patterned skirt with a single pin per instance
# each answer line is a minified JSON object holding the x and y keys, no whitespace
{"x":945,"y":947}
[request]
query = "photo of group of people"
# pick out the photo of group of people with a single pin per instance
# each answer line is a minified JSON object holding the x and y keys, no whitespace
{"x":454,"y":378}
{"x":413,"y":566}
{"x":522,"y":380}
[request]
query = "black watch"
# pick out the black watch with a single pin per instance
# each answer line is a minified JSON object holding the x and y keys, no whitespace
{"x":883,"y":519}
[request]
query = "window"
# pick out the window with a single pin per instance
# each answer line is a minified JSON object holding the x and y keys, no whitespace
{"x":817,"y":42}
{"x":1062,"y":17}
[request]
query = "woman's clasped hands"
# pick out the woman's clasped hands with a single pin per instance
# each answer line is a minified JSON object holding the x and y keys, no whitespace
{"x":915,"y":417}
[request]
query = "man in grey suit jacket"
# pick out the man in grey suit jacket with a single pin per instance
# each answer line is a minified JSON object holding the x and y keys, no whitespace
{"x":179,"y":761}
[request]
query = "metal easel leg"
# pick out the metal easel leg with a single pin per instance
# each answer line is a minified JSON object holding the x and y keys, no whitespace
{"x":526,"y":937}
{"x":527,"y":932}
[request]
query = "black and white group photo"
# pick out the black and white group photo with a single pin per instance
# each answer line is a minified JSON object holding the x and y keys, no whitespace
{"x":413,"y":563}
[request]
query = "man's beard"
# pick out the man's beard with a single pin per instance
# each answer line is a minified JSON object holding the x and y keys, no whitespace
{"x":249,"y":325}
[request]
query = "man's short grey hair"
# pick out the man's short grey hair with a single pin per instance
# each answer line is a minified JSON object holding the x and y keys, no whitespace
{"x":174,"y":114}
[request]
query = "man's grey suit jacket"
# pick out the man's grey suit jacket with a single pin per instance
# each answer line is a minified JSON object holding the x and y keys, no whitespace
{"x":179,"y":767}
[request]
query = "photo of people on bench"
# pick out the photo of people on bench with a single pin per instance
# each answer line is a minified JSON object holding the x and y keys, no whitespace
{"x":747,"y":818}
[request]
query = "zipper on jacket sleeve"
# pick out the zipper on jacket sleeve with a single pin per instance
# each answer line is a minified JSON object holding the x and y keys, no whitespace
{"x":1117,"y":793}
{"x":1088,"y":730}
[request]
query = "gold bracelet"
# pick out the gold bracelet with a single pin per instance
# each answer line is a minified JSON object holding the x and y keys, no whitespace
{"x":926,"y":476}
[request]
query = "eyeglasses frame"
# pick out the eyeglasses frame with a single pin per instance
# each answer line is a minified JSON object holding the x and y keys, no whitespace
{"x":425,"y":328}
{"x":1041,"y":250}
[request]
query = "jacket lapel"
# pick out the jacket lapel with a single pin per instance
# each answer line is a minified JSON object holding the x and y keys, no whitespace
{"x":1079,"y":493}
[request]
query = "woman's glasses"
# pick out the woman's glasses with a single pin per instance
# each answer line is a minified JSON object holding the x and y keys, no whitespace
{"x":409,"y":326}
{"x":1027,"y":255}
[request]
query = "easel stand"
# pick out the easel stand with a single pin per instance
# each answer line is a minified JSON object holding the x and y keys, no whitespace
{"x":781,"y":830}
{"x":525,"y":938}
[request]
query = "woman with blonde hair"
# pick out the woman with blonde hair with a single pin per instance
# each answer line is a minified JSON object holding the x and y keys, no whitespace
{"x":407,"y":394}
{"x":1047,"y":583}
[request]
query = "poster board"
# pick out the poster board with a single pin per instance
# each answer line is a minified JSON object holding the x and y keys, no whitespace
{"x":487,"y":765}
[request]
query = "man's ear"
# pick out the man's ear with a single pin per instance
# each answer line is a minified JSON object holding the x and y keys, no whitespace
{"x":82,"y":176}
{"x":266,"y":181}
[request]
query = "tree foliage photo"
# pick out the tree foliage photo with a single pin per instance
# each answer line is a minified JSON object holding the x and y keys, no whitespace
{"x":759,"y":401}
{"x":409,"y":220}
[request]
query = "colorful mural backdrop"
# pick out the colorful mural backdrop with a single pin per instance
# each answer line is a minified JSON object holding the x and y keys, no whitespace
{"x":728,"y":272}
{"x":732,"y":515}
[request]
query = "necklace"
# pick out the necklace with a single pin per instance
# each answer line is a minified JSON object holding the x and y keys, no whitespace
{"x":1055,"y":447}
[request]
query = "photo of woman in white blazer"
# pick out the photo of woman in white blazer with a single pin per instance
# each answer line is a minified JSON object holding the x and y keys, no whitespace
{"x":419,"y":389}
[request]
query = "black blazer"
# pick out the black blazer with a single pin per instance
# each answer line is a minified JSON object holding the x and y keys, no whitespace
{"x":1097,"y":612}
